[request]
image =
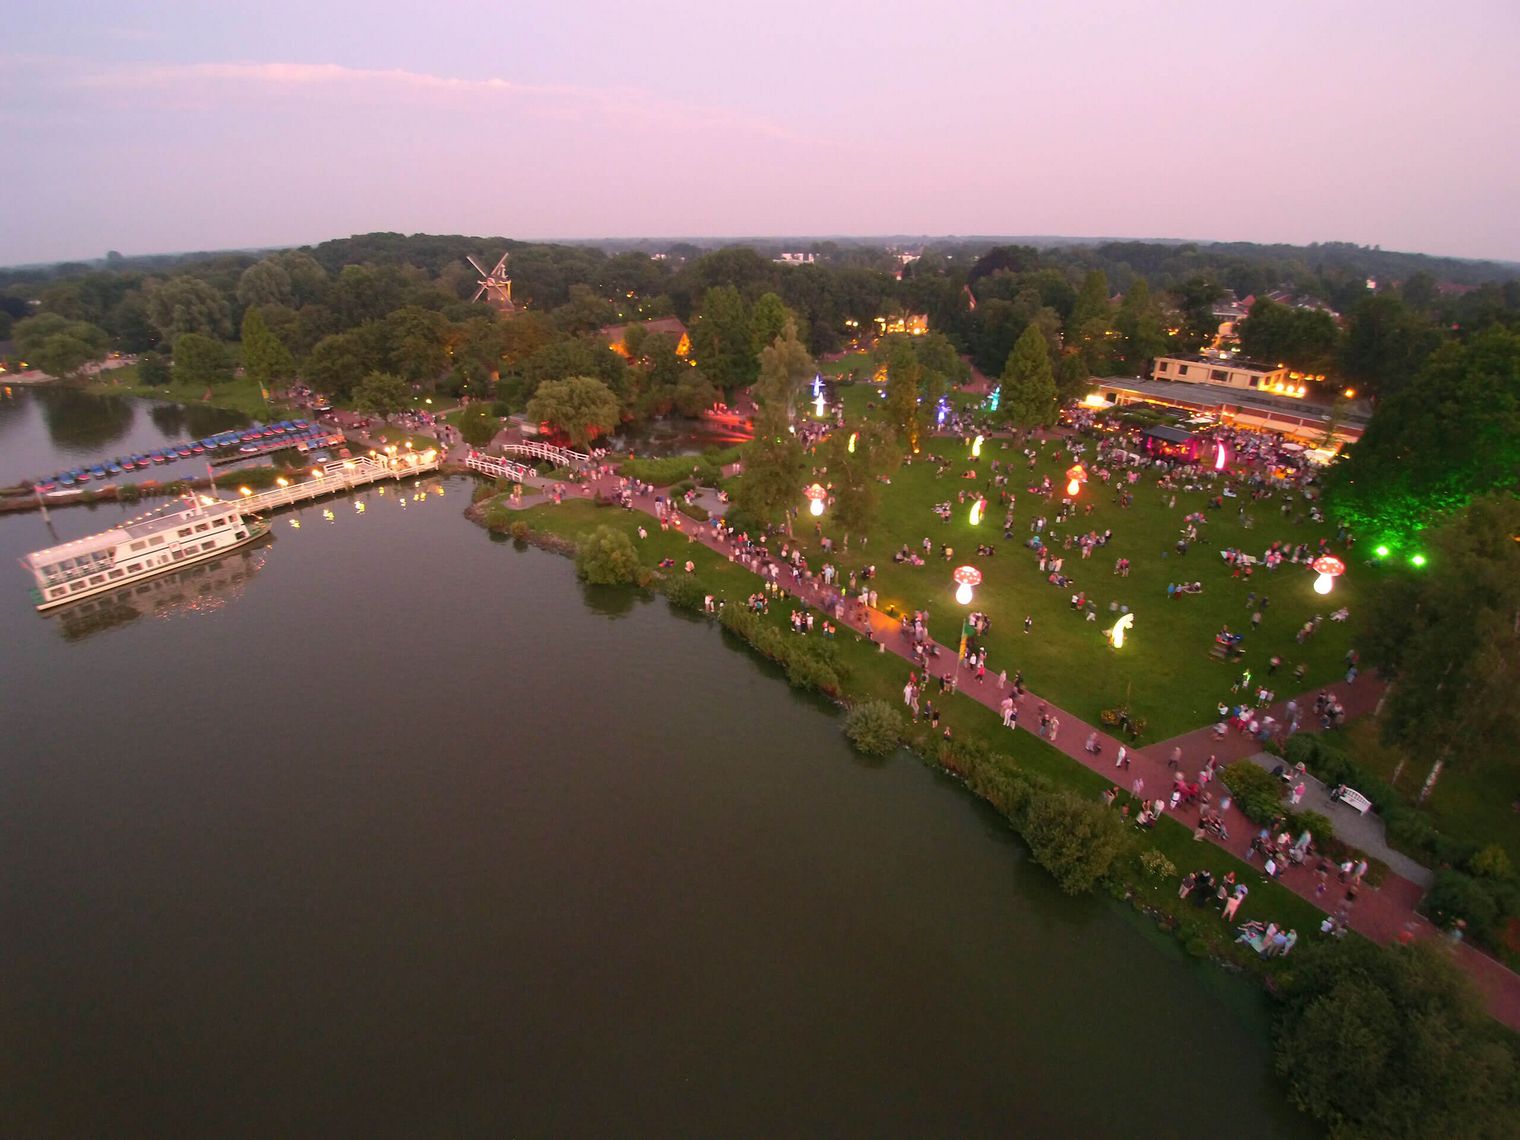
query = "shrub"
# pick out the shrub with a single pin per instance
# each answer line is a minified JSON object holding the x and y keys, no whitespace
{"x":693,"y":510}
{"x":1257,"y":792}
{"x":498,"y":516}
{"x":607,"y":557}
{"x":128,"y":493}
{"x":874,"y":728}
{"x":520,"y":530}
{"x":1075,"y":839}
{"x":1457,"y":896}
{"x":808,"y":673}
{"x":1156,"y":865}
{"x":685,"y":592}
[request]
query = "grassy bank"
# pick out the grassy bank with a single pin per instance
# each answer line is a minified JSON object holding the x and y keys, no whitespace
{"x":239,"y":394}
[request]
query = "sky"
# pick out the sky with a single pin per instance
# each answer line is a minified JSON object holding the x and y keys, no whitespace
{"x":158,"y":125}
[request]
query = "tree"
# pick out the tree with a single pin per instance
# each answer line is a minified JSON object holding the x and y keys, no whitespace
{"x":581,"y":406}
{"x":1091,"y":321}
{"x":478,"y":426}
{"x":723,"y":341}
{"x":338,"y":363}
{"x":1305,"y":339}
{"x":57,"y":345}
{"x":1073,"y":377}
{"x":904,"y":373}
{"x":1385,"y":345}
{"x":1392,"y":1043}
{"x":874,"y":727}
{"x":607,"y":557}
{"x":1138,"y":323}
{"x":188,"y":305}
{"x":1450,"y":434}
{"x":265,"y":282}
{"x":418,"y":342}
{"x":152,"y":370}
{"x":1448,"y":635}
{"x":774,"y":470}
{"x":784,"y":367}
{"x":1075,"y":839}
{"x":201,"y":360}
{"x":768,"y":320}
{"x":265,"y":359}
{"x":382,"y":394}
{"x":854,"y":474}
{"x":1029,"y":389}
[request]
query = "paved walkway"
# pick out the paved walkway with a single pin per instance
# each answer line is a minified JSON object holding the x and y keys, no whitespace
{"x":1385,"y":913}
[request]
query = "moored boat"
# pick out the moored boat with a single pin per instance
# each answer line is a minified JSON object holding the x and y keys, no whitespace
{"x":196,"y":531}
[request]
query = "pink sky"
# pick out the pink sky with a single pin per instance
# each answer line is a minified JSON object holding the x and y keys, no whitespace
{"x":177,"y":126}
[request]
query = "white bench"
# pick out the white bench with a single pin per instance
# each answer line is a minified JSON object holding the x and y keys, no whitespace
{"x":1352,"y":799}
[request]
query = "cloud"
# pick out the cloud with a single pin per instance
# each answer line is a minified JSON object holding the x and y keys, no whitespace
{"x":622,"y":107}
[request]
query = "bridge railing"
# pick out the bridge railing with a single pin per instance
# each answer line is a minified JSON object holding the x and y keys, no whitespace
{"x":560,"y":455}
{"x":498,"y":468}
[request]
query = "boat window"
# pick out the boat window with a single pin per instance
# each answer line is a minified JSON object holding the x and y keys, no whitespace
{"x":97,"y":579}
{"x":74,"y":586}
{"x":115,"y":573}
{"x":178,"y":554}
{"x":156,"y":539}
{"x":138,"y":545}
{"x":55,"y":591}
{"x":201,"y":527}
{"x":184,"y":532}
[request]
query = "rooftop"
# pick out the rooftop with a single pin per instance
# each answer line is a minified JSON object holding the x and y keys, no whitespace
{"x":1239,"y":363}
{"x":1204,"y":396}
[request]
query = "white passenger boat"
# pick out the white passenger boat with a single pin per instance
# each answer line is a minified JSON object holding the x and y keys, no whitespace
{"x":183,"y":536}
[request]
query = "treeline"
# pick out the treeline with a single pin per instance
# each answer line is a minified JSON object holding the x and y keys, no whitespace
{"x":400,"y":306}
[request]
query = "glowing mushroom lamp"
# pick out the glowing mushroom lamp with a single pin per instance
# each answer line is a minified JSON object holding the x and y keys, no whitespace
{"x":817,"y":494}
{"x":976,"y":510}
{"x":966,"y":577}
{"x":1076,"y":475}
{"x":976,"y":448}
{"x":1329,"y":568}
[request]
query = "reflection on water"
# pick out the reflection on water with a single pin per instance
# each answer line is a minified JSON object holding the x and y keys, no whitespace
{"x":80,"y":423}
{"x":200,"y":589}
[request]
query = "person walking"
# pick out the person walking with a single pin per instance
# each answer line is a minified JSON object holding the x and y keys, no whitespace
{"x":1055,"y":724}
{"x":1122,"y":760}
{"x":1006,"y":708}
{"x":1234,"y":902}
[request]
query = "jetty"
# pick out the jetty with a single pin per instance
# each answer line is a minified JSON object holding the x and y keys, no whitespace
{"x":342,"y":475}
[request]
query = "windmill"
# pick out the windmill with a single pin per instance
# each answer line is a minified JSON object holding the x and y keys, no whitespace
{"x":495,"y":286}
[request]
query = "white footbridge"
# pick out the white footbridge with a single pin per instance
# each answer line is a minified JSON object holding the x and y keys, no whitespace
{"x":498,"y":468}
{"x":560,"y":456}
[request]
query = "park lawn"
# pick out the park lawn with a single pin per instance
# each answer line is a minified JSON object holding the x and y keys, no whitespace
{"x":401,"y":437}
{"x":870,"y":673}
{"x":240,"y":393}
{"x":1473,"y":801}
{"x":1164,"y":672}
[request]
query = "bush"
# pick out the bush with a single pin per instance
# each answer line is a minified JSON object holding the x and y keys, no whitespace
{"x":520,"y":530}
{"x":1075,"y":839}
{"x":809,"y":673}
{"x":128,"y":493}
{"x":685,"y":592}
{"x":607,"y":557}
{"x":1156,"y":865}
{"x":1457,"y":896}
{"x":693,"y":510}
{"x":498,"y":517}
{"x":1257,"y":792}
{"x":874,"y":728}
{"x":477,"y":426}
{"x":1392,"y":1043}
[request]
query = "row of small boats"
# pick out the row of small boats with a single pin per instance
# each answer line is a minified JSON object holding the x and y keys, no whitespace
{"x":250,"y":441}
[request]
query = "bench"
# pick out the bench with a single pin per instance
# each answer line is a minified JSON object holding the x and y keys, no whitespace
{"x":1352,"y":799}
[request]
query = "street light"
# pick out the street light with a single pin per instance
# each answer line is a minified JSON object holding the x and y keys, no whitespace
{"x":966,"y":577}
{"x":1329,"y":568}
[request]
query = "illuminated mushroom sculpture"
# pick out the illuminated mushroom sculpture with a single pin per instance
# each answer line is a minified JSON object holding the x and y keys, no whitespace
{"x":977,"y":508}
{"x":966,"y":577}
{"x":976,"y":448}
{"x":1329,"y":568}
{"x":1076,"y":475}
{"x":817,"y":494}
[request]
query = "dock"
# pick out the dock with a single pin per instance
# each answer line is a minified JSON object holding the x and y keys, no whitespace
{"x":343,"y":475}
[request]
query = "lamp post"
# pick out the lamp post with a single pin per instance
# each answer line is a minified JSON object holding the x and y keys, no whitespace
{"x":1329,"y":568}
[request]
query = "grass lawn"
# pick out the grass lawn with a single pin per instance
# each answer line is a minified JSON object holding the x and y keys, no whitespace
{"x":240,"y":394}
{"x":1164,"y":670}
{"x":867,"y":672}
{"x":1473,"y":802}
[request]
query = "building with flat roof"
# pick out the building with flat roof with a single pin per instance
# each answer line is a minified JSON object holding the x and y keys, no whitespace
{"x":1238,"y":407}
{"x":1225,"y":372}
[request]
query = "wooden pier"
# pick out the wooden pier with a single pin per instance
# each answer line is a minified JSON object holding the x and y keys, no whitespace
{"x":343,"y":475}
